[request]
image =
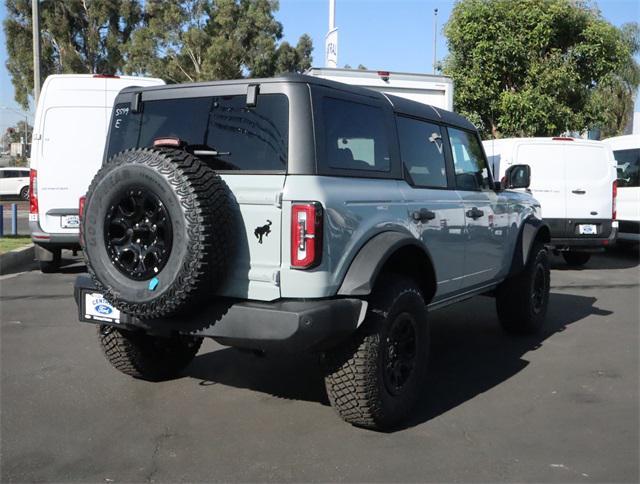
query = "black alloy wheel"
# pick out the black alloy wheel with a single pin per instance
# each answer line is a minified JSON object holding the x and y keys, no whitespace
{"x":138,"y":234}
{"x":400,"y":353}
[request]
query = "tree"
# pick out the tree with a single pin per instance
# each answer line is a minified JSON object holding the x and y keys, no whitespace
{"x":538,"y":67}
{"x":195,"y":40}
{"x":78,"y":36}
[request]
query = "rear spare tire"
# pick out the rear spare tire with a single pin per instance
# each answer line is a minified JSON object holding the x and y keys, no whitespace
{"x":156,"y":231}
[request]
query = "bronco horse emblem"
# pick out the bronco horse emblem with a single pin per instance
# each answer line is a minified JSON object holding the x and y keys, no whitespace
{"x":263,"y":231}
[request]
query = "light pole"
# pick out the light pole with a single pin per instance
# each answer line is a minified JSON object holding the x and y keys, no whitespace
{"x":435,"y":38}
{"x":35,"y":27}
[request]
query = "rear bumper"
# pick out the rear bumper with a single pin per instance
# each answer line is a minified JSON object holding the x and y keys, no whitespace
{"x":288,"y":325}
{"x":53,"y":240}
{"x":591,"y":244}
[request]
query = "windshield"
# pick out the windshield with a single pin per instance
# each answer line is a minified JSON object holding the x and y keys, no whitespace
{"x":221,"y":130}
{"x":628,"y":165}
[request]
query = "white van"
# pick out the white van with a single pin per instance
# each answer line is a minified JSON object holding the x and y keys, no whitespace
{"x":626,"y":151}
{"x":574,"y":181}
{"x":70,"y":129}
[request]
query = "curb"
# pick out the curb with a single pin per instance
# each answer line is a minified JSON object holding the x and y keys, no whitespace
{"x":17,"y":259}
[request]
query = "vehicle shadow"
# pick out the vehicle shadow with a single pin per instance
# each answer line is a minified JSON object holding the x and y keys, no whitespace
{"x":469,"y":355}
{"x":615,"y":258}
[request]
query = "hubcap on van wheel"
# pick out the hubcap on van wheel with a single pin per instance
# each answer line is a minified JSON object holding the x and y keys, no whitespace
{"x":138,"y":234}
{"x":399,"y":353}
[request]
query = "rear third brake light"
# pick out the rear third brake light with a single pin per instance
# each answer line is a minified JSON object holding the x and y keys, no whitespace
{"x":33,"y":192}
{"x":562,"y":138}
{"x":306,"y":235}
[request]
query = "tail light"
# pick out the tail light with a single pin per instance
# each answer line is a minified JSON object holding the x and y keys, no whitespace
{"x":83,"y":199}
{"x":306,"y":235}
{"x":33,"y":193}
{"x":614,"y":213}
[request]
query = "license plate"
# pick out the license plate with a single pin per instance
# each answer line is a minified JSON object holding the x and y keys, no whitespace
{"x":97,"y":308}
{"x":70,"y":221}
{"x":589,"y":229}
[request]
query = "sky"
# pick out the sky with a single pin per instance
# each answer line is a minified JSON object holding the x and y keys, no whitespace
{"x":393,"y":35}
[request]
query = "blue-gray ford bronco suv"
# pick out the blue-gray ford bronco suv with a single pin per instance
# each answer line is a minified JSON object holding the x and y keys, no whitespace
{"x":299,"y":214}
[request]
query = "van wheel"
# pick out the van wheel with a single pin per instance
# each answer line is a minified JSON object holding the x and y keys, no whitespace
{"x":147,"y":357}
{"x":522,"y":300}
{"x":373,"y":380}
{"x":53,"y":265}
{"x":576,"y":259}
{"x":24,"y":193}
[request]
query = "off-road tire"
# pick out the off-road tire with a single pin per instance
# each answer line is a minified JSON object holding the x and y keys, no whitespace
{"x":355,"y":371}
{"x":198,"y":204}
{"x":53,"y":265}
{"x":147,"y":357}
{"x":576,"y":259}
{"x":24,"y":193}
{"x":522,"y":300}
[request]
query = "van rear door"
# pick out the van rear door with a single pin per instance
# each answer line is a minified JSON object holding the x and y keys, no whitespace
{"x":590,"y":174}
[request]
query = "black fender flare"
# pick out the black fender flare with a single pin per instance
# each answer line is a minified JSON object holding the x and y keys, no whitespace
{"x":375,"y":253}
{"x":532,"y":229}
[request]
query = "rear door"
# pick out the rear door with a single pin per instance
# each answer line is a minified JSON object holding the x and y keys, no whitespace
{"x":589,"y":176}
{"x":548,"y":182}
{"x":248,"y":148}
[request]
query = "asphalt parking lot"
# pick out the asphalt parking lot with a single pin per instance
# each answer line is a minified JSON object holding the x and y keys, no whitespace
{"x":561,"y":407}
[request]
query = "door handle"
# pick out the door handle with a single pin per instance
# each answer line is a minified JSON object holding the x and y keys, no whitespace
{"x":474,"y":213}
{"x":579,"y":191}
{"x":423,"y":215}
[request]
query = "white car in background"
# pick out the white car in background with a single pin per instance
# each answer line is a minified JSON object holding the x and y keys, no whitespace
{"x":575,"y":182}
{"x":14,"y":182}
{"x":626,"y":151}
{"x":70,"y":129}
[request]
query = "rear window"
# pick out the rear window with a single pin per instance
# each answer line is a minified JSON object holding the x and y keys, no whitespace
{"x":355,"y":136}
{"x":225,"y":132}
{"x":628,"y":165}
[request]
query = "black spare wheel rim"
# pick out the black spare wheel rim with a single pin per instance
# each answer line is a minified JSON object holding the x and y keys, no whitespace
{"x":539,"y":289}
{"x":138,"y":234}
{"x":399,"y":353}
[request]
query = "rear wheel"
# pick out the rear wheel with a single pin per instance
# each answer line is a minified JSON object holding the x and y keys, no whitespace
{"x":147,"y":357}
{"x":373,"y":380}
{"x":522,"y":300}
{"x":53,"y":265}
{"x":576,"y":259}
{"x":24,"y":193}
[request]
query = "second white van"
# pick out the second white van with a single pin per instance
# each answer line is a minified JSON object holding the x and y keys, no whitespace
{"x":575,"y":182}
{"x":69,"y":134}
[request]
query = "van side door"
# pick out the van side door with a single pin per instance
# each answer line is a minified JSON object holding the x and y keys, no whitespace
{"x":434,"y":208}
{"x":486,"y":213}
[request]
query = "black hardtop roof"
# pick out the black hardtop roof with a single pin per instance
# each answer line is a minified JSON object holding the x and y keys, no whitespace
{"x":399,"y":105}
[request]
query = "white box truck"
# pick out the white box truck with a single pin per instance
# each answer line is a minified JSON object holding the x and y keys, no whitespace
{"x":575,"y":182}
{"x":436,"y":91}
{"x":70,"y":129}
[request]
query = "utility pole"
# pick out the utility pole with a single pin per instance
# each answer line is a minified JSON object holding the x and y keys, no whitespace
{"x":35,"y":20}
{"x":435,"y":38}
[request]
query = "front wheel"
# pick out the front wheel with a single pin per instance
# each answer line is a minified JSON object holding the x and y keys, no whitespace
{"x":24,"y":193}
{"x":373,"y":380}
{"x":576,"y":259}
{"x":146,"y":357}
{"x":522,"y":300}
{"x":53,"y":265}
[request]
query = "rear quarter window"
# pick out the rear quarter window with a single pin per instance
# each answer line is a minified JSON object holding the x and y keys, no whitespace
{"x":355,"y":136}
{"x":628,"y":166}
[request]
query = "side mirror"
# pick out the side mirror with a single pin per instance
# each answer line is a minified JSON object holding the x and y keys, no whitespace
{"x":517,"y":176}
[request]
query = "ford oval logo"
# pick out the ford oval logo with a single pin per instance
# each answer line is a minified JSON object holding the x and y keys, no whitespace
{"x":103,"y":309}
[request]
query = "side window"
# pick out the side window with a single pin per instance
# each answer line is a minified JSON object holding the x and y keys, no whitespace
{"x":355,"y":136}
{"x":628,"y":165}
{"x":3,"y":174}
{"x":12,"y":174}
{"x":469,"y":163}
{"x":422,"y":152}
